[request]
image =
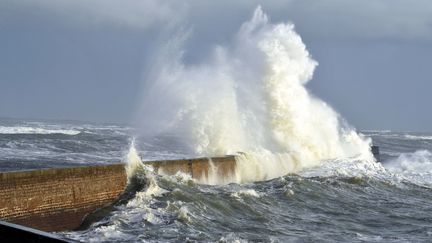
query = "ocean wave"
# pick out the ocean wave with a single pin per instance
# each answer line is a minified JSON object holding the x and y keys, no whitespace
{"x":250,"y":96}
{"x":347,"y":167}
{"x":376,"y":131}
{"x":418,"y":137}
{"x":415,"y":167}
{"x":245,"y":193}
{"x":36,"y":130}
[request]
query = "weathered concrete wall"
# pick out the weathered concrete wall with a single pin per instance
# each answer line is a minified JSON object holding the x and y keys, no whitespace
{"x":59,"y":199}
{"x":200,"y":168}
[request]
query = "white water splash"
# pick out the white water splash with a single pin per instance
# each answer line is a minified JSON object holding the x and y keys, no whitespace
{"x":415,"y":167}
{"x":245,"y":192}
{"x":133,"y":161}
{"x":36,"y":130}
{"x":250,"y":97}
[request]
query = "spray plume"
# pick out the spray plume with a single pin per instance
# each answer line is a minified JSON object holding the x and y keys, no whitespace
{"x":249,"y":97}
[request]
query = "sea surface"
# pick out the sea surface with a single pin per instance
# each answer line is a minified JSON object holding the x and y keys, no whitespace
{"x":344,"y":199}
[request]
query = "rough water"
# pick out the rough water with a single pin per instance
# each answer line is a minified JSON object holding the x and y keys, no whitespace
{"x":303,"y":174}
{"x":341,"y":200}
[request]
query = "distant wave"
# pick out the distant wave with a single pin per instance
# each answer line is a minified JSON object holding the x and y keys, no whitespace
{"x":418,"y":137}
{"x":376,"y":131}
{"x":36,"y":130}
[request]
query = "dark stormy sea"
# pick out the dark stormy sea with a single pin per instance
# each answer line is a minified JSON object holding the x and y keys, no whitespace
{"x":344,"y":199}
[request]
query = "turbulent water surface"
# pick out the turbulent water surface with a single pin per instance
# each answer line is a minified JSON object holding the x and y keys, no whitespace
{"x":342,"y":199}
{"x":302,"y":174}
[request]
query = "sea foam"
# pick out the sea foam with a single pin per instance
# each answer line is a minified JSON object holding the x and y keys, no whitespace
{"x":36,"y":130}
{"x":249,"y":97}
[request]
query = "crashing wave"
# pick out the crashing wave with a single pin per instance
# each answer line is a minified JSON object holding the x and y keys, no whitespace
{"x":36,"y":130}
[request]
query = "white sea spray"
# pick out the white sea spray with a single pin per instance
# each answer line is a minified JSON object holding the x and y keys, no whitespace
{"x":249,"y":97}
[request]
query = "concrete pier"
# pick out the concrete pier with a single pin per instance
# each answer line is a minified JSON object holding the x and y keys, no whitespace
{"x":60,"y":199}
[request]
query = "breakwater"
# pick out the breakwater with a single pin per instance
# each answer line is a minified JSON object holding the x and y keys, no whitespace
{"x":60,"y":199}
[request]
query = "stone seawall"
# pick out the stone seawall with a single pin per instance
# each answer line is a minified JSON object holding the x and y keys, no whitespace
{"x":200,"y":168}
{"x":59,"y":199}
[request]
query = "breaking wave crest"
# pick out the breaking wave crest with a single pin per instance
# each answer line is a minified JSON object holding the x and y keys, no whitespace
{"x":249,"y":97}
{"x":415,"y":167}
{"x":36,"y":130}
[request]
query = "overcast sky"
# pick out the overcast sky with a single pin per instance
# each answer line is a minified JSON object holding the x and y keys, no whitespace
{"x":87,"y":59}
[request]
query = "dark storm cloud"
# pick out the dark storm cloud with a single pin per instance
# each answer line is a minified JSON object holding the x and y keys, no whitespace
{"x":85,"y":59}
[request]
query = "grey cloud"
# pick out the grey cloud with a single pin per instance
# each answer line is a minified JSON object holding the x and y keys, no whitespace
{"x":316,"y":19}
{"x":334,"y":19}
{"x":374,"y":55}
{"x":140,"y":14}
{"x":397,"y":19}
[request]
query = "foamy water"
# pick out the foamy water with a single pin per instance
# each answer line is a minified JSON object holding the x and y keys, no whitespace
{"x":35,"y":130}
{"x":345,"y":199}
{"x":250,"y":97}
{"x":342,"y":199}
